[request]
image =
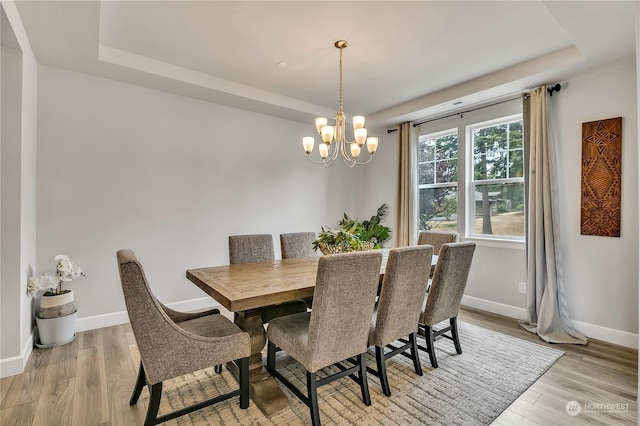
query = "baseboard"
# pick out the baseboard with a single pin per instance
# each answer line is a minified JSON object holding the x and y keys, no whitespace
{"x":121,"y":317}
{"x":592,"y":331}
{"x":15,"y":364}
{"x":495,"y":307}
{"x":610,"y":335}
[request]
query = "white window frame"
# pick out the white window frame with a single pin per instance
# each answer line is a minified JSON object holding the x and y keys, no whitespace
{"x":460,"y":121}
{"x":436,"y":184}
{"x":471,"y":183}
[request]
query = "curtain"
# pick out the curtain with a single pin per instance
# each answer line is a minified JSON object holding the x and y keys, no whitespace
{"x":407,"y":185}
{"x":545,"y":296}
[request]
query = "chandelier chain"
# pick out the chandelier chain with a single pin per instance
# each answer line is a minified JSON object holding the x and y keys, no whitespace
{"x":340,"y":107}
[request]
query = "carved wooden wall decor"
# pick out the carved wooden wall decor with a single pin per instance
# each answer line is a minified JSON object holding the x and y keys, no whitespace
{"x":601,"y":177}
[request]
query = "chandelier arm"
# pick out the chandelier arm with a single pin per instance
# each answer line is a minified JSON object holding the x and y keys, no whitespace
{"x":365,"y":162}
{"x":327,"y":162}
{"x":333,"y":154}
{"x":348,"y":160}
{"x":314,"y":161}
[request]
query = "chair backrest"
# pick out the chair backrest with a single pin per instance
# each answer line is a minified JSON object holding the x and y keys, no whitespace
{"x":437,"y":239}
{"x":448,"y":283}
{"x":250,"y":248}
{"x":343,"y":301}
{"x":149,"y":322}
{"x":297,"y":244}
{"x":402,"y":295}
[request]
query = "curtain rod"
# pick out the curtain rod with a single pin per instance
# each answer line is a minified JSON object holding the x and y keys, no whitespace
{"x":556,"y":87}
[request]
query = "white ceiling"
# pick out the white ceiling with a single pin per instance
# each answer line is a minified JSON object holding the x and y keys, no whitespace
{"x":405,"y":60}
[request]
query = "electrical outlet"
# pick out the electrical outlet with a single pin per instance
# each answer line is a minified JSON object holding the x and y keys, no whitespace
{"x":522,"y":287}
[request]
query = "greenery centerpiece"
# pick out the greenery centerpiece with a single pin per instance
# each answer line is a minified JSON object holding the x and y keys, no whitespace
{"x":354,"y":235}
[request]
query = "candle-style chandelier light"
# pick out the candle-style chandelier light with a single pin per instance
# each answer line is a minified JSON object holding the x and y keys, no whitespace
{"x":334,"y":138}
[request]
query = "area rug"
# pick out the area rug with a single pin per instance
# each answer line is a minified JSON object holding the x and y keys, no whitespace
{"x":468,"y":389}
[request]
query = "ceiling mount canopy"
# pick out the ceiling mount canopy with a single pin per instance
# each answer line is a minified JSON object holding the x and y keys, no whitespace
{"x":334,"y":138}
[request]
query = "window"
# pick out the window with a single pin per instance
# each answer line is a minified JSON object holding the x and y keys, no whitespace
{"x":470,"y":174}
{"x":438,"y":181}
{"x":498,"y":178}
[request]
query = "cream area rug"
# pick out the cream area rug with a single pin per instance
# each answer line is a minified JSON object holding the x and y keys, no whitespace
{"x":468,"y":389}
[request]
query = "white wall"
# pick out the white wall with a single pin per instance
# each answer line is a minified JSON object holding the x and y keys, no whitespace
{"x":121,"y":166}
{"x":28,"y":169}
{"x":19,"y":136}
{"x":10,"y":180}
{"x":600,"y":273}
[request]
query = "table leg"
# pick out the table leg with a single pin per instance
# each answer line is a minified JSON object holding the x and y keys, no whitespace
{"x":264,"y":390}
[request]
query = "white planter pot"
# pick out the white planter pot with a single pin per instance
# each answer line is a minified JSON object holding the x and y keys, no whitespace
{"x":56,"y":331}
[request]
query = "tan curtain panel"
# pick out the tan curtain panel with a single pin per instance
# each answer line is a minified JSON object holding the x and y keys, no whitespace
{"x":545,"y":296}
{"x":404,"y":233}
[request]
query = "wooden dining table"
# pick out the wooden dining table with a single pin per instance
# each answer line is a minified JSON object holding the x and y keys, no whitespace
{"x":247,"y":289}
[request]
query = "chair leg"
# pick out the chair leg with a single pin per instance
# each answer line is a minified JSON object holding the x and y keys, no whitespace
{"x":312,"y":393}
{"x":140,"y":384}
{"x":414,"y":354}
{"x":244,"y":383}
{"x":154,"y":404}
{"x":454,"y":334}
{"x":382,"y":371}
{"x":428,"y":336}
{"x":271,"y":356}
{"x":364,"y":385}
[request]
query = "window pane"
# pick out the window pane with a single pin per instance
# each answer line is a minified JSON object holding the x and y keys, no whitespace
{"x":499,"y":209}
{"x":490,"y":146}
{"x":490,"y":165}
{"x":426,"y":150}
{"x":515,"y":134}
{"x":446,"y":147}
{"x":446,"y":171}
{"x":516,"y":163}
{"x":479,"y":166}
{"x":438,"y":208}
{"x":425,"y":173}
{"x":490,"y":138}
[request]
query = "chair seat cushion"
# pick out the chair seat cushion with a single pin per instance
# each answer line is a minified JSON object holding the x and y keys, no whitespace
{"x":291,"y":334}
{"x":215,"y":325}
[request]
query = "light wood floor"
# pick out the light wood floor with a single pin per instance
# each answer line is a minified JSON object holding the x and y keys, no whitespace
{"x":89,"y":381}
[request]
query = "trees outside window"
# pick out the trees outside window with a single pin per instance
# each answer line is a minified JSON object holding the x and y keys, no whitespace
{"x":438,"y":181}
{"x":498,"y":177}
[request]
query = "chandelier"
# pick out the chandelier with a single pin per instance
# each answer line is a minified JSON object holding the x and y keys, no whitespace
{"x":334,"y":138}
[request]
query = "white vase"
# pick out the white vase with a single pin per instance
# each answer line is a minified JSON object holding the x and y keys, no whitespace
{"x":56,"y":331}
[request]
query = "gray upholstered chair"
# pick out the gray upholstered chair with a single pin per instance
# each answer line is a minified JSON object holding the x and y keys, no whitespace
{"x":250,"y":248}
{"x":399,"y":307}
{"x":173,"y":344}
{"x":437,"y":239}
{"x":297,"y":244}
{"x":259,"y":248}
{"x":336,"y":330}
{"x":444,"y":297}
